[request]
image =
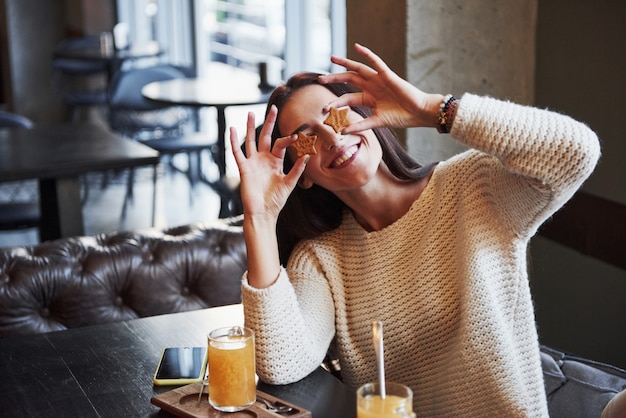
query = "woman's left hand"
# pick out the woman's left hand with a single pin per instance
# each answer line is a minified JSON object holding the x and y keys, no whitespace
{"x":394,"y":101}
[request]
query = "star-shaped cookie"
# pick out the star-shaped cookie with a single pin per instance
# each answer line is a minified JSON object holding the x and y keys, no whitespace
{"x":305,"y":144}
{"x":338,"y":119}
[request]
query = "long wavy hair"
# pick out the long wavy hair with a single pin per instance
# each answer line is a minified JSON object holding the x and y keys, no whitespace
{"x":310,"y":212}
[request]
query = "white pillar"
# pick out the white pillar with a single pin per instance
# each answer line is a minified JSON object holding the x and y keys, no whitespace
{"x":451,"y":46}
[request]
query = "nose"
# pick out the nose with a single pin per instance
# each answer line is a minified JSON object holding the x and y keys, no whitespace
{"x":330,"y":139}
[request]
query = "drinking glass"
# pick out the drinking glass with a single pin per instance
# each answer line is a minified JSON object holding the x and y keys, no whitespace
{"x":398,"y":401}
{"x":232,"y":385}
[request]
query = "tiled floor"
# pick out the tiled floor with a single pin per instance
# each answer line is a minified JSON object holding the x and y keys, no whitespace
{"x":178,"y":202}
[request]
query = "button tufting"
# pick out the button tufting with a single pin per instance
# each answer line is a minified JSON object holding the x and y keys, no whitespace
{"x":44,"y":312}
{"x":148,"y":257}
{"x":119,"y":301}
{"x":185,"y":290}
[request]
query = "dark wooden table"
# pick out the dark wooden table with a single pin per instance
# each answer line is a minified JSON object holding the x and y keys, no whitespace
{"x":57,"y":155}
{"x":106,"y":370}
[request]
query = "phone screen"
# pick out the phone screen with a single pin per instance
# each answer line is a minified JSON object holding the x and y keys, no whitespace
{"x":181,"y":364}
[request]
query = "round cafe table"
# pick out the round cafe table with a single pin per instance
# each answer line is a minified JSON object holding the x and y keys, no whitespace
{"x":232,"y":88}
{"x":225,"y":86}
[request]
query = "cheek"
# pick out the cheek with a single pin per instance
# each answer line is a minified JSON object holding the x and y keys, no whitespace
{"x":291,"y":155}
{"x":312,"y":170}
{"x":373,"y":144}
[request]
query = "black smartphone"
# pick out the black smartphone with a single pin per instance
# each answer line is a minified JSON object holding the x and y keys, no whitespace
{"x":181,"y":366}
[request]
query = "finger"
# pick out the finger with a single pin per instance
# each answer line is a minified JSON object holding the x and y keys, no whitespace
{"x":252,"y":146}
{"x":265,"y":137}
{"x":235,"y":147}
{"x":360,"y":68}
{"x":250,"y":141}
{"x":296,"y":171}
{"x":284,"y":142}
{"x":362,"y":125}
{"x":348,"y":99}
{"x":348,"y":77}
{"x":358,"y":73}
{"x":377,"y":62}
{"x":281,"y":145}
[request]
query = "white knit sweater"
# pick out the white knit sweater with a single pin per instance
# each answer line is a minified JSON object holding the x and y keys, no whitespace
{"x":448,"y":279}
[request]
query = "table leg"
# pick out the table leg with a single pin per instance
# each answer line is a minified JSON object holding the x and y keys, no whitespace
{"x":221,"y":140}
{"x":155,"y":174}
{"x":219,"y":186}
{"x":61,"y":209}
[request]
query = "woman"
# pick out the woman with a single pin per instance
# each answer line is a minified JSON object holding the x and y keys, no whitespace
{"x":437,"y":253}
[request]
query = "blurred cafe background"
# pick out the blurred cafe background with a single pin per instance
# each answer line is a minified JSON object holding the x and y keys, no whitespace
{"x":62,"y":61}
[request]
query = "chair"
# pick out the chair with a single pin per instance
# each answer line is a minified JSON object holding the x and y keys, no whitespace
{"x":13,"y":120}
{"x":81,"y":82}
{"x":19,"y":208}
{"x":165,"y":128}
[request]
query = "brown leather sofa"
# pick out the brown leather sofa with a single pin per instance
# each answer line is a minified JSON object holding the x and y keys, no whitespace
{"x":88,"y":280}
{"x":81,"y":281}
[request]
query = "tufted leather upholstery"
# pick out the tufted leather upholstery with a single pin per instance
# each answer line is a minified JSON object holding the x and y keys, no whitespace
{"x":80,"y":281}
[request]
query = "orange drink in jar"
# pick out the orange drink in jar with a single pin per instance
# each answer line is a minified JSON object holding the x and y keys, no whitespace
{"x":398,"y":401}
{"x":232,"y":385}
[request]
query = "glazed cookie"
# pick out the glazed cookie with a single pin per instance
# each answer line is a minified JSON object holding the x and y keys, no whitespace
{"x":338,"y":118}
{"x":305,"y":144}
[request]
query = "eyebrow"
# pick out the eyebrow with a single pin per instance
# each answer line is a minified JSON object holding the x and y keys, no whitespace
{"x":300,"y":128}
{"x":303,"y":126}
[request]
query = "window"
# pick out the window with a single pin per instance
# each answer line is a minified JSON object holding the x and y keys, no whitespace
{"x":166,"y":21}
{"x":243,"y":33}
{"x":288,"y":36}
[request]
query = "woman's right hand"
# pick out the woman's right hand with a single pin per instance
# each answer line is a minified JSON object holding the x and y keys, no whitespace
{"x":264,"y":186}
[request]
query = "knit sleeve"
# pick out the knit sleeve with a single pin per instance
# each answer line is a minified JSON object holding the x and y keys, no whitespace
{"x":550,"y":153}
{"x":293,"y":321}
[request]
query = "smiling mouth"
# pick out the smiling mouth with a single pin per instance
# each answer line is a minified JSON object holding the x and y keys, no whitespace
{"x":345,"y":156}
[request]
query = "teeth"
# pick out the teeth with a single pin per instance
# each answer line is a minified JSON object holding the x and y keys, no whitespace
{"x":346,"y":156}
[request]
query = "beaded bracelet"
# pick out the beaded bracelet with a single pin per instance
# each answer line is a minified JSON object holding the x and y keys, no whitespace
{"x":447,"y":110}
{"x":451,"y":113}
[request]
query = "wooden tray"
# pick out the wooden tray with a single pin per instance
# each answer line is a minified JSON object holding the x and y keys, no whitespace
{"x":183,"y":402}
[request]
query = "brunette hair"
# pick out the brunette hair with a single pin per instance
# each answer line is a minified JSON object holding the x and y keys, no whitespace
{"x":313,"y":211}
